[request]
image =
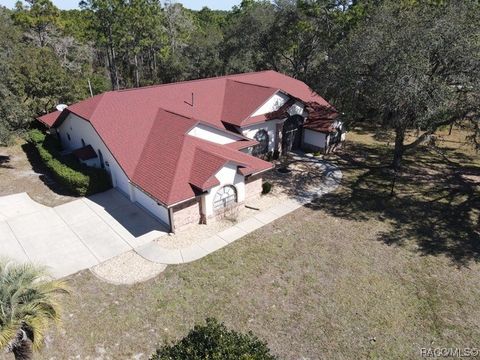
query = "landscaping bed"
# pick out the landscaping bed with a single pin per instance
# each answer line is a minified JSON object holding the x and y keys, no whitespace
{"x":80,"y":179}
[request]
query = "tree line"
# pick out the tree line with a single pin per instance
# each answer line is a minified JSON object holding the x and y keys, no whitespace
{"x":402,"y":64}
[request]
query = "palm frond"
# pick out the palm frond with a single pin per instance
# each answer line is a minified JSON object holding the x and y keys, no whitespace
{"x":28,"y":301}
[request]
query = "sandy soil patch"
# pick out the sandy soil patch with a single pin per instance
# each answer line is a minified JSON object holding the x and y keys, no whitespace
{"x":128,"y":268}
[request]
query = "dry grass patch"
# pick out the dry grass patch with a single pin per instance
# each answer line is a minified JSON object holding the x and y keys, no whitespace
{"x":21,"y":170}
{"x":356,"y":275}
{"x":310,"y":284}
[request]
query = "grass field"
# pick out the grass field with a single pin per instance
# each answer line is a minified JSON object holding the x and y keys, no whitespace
{"x":359,"y":274}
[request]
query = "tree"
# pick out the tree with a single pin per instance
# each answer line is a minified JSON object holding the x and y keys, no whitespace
{"x":29,"y":304}
{"x":215,"y":341}
{"x":409,"y":65}
{"x":177,"y":28}
{"x":14,"y":113}
{"x":246,"y":37}
{"x":39,"y":16}
{"x":129,"y":31}
{"x":44,"y":83}
{"x":104,"y":15}
{"x":202,"y":53}
{"x":302,"y":33}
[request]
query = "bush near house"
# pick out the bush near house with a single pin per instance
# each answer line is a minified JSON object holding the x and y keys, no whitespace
{"x":266,"y":187}
{"x":214,"y":341}
{"x":78,"y":178}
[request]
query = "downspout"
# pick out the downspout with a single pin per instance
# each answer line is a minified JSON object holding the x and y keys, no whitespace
{"x":170,"y":218}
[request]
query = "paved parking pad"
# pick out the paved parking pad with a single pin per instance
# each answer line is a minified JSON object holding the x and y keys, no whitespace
{"x":76,"y":235}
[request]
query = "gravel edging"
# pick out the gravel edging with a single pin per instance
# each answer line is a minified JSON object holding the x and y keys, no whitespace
{"x":127,"y":269}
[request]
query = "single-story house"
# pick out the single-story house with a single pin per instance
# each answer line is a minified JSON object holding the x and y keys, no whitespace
{"x":188,"y":151}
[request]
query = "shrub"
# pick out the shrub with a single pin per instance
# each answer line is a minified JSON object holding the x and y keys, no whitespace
{"x":317,"y":153}
{"x":78,"y":178}
{"x":266,"y":187}
{"x":215,"y":341}
{"x":36,"y":136}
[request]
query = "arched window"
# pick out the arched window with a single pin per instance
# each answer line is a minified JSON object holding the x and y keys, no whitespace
{"x":262,"y":148}
{"x":224,"y":198}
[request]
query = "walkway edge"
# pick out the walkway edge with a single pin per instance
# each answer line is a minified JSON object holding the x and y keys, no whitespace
{"x":158,"y":254}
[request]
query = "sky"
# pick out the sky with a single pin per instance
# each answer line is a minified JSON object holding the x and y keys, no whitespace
{"x":191,"y":4}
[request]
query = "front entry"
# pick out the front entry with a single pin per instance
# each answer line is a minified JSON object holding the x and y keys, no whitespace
{"x":292,"y":133}
{"x":225,"y":198}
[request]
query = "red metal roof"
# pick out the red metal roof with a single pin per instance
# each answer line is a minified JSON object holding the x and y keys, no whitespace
{"x":231,"y":99}
{"x":50,"y":118}
{"x":320,"y":118}
{"x":172,"y":161}
{"x":145,"y":128}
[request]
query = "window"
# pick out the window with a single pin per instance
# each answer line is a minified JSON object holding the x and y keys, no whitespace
{"x":100,"y":156}
{"x":262,"y":148}
{"x":68,"y":137}
{"x":83,"y":143}
{"x":224,"y":198}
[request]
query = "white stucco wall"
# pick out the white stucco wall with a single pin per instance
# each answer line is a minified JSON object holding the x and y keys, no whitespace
{"x":296,"y":109}
{"x":211,"y":134}
{"x":314,"y":138}
{"x":79,"y":129}
{"x":91,"y":162}
{"x":226,"y":176}
{"x":150,"y":205}
{"x":271,"y":128}
{"x":272,"y":104}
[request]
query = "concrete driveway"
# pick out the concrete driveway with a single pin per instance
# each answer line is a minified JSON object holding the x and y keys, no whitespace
{"x":76,"y":235}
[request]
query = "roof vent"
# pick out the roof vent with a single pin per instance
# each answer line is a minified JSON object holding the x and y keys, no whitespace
{"x":191,"y":104}
{"x":61,"y":107}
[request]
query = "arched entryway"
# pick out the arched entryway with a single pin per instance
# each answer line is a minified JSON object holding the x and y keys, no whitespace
{"x":225,"y":198}
{"x":262,"y":148}
{"x":292,"y":133}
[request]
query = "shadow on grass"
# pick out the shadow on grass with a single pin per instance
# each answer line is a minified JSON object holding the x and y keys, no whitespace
{"x":436,"y":205}
{"x":45,"y":176}
{"x":5,"y":162}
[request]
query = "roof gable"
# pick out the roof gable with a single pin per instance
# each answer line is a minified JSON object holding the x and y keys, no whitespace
{"x":242,"y":99}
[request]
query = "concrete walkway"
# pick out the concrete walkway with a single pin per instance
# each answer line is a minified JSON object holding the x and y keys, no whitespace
{"x":90,"y":231}
{"x":76,"y":235}
{"x":154,"y":252}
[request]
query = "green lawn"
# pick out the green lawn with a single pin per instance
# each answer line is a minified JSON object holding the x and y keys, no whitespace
{"x":356,"y":275}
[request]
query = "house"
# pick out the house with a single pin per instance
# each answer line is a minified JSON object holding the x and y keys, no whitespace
{"x":188,"y":151}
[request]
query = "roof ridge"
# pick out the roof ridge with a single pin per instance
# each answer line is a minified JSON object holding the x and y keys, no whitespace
{"x":176,"y":113}
{"x":199,"y":149}
{"x":216,"y":145}
{"x":100,"y":98}
{"x":194,"y":80}
{"x":247,"y":83}
{"x":177,"y":168}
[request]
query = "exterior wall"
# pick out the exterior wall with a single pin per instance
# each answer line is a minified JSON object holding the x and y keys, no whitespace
{"x":253,"y":187}
{"x":271,"y":128}
{"x":79,"y":129}
{"x":213,"y":135}
{"x":313,"y":140}
{"x":186,"y":213}
{"x":272,"y":104}
{"x":296,"y":109}
{"x":149,"y":204}
{"x":91,"y":162}
{"x":226,"y":176}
